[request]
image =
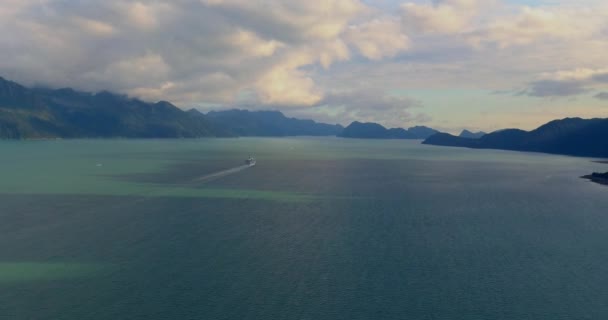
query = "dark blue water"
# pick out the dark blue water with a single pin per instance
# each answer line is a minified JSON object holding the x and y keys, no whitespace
{"x":319,"y":229}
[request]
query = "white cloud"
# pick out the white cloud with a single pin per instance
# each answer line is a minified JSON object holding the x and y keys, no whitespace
{"x":144,"y":15}
{"x":148,"y":69}
{"x":333,"y":51}
{"x":150,"y":48}
{"x":378,"y":39}
{"x":244,"y":40}
{"x":295,"y":54}
{"x":579,"y":74}
{"x":372,"y":105}
{"x":94,"y":27}
{"x":443,"y":16}
{"x":285,"y":84}
{"x":540,"y":24}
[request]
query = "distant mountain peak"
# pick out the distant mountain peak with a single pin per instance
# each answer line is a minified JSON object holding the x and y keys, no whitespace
{"x":166,"y":104}
{"x":196,"y":112}
{"x":269,"y":123}
{"x":471,"y":135}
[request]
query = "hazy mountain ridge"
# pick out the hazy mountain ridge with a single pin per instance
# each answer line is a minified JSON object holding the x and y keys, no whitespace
{"x":268,"y":124}
{"x":30,"y":113}
{"x":372,"y":130}
{"x":570,"y":136}
{"x":66,"y":113}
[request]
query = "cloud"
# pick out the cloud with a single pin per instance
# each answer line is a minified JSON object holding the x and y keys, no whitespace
{"x":288,"y":20}
{"x":579,"y":74}
{"x":601,"y":77}
{"x":285,"y":84}
{"x":602,"y":96}
{"x":170,"y":49}
{"x":144,"y":70}
{"x":330,"y":59}
{"x":358,"y":104}
{"x":94,"y":27}
{"x":556,"y":88}
{"x":567,"y":83}
{"x":442,"y":16}
{"x":144,"y":16}
{"x":378,"y":39}
{"x":539,"y":24}
{"x":373,"y":105}
{"x":257,"y":47}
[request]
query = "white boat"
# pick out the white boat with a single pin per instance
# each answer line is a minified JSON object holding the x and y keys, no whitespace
{"x":250,"y":161}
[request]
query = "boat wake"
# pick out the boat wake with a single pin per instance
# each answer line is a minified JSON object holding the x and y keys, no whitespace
{"x":220,"y":174}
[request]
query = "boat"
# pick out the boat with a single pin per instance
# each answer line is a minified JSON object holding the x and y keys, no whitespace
{"x":250,"y":161}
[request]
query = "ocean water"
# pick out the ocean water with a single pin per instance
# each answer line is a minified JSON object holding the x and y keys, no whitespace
{"x":320,"y":229}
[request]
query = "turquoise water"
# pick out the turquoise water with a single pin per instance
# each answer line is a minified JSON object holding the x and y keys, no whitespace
{"x":319,"y":229}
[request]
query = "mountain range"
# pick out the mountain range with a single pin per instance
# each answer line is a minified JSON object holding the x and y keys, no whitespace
{"x":570,"y":136}
{"x":369,"y":130}
{"x":30,"y":113}
{"x":66,"y":113}
{"x":268,"y":124}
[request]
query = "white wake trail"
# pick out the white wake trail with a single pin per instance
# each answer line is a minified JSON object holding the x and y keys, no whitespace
{"x":220,"y":174}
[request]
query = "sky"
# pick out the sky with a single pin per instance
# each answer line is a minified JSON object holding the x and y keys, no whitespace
{"x":447,"y":64}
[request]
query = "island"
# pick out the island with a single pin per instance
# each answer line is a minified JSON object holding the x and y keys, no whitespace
{"x":601,"y":178}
